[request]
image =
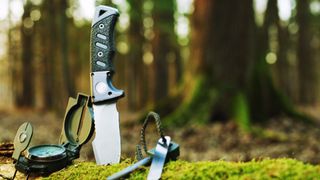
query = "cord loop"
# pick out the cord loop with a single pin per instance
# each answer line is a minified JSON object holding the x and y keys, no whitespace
{"x":143,"y":142}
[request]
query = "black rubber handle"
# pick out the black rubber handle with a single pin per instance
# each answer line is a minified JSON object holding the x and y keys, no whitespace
{"x":102,"y":39}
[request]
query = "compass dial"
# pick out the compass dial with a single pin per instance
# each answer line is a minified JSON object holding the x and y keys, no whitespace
{"x":46,"y":152}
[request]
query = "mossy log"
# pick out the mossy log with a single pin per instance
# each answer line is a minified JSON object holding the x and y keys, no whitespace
{"x":262,"y":169}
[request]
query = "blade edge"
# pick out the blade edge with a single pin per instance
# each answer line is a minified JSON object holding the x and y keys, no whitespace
{"x":107,"y":142}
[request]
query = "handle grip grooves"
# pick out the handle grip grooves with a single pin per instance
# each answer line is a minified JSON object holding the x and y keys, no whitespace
{"x":102,"y":44}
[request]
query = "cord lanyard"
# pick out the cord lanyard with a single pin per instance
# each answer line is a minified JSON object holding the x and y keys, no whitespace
{"x":164,"y":151}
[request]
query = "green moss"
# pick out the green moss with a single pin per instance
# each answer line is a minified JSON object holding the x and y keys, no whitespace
{"x":88,"y":170}
{"x":196,"y":108}
{"x":269,"y":134}
{"x":265,"y":169}
{"x":241,"y":112}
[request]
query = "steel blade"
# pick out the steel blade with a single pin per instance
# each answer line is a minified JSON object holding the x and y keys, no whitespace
{"x":107,"y":143}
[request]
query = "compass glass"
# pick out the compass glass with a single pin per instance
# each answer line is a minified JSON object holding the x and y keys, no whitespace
{"x":46,"y":152}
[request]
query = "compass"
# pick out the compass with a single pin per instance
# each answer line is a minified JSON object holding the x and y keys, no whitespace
{"x":45,"y":159}
{"x":46,"y":153}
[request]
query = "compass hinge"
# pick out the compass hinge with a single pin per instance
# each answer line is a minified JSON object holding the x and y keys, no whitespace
{"x":73,"y":151}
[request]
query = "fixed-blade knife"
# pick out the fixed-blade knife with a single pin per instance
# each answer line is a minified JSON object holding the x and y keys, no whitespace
{"x":107,"y":142}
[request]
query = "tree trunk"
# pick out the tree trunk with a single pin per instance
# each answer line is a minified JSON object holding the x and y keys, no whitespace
{"x":265,"y":99}
{"x":48,"y":56}
{"x":163,"y":43}
{"x":306,"y":63}
{"x":137,"y":69}
{"x":13,"y":59}
{"x":27,"y":96}
{"x":68,"y":83}
{"x":228,"y":77}
{"x":284,"y":68}
{"x":221,"y":60}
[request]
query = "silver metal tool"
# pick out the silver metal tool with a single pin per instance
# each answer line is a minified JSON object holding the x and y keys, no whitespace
{"x":125,"y":172}
{"x":159,"y":158}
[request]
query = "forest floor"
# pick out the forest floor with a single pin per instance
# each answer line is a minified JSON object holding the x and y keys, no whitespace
{"x":279,"y":138}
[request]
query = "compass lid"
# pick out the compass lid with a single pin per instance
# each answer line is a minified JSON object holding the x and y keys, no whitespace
{"x":78,"y":124}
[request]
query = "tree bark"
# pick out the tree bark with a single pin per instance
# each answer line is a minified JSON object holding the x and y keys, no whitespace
{"x":162,"y":44}
{"x":306,"y":63}
{"x":220,"y":63}
{"x":68,"y":83}
{"x":227,"y":75}
{"x":137,"y":70}
{"x":13,"y":59}
{"x":48,"y":39}
{"x":27,"y":96}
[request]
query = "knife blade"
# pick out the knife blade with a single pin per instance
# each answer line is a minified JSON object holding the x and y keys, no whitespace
{"x":107,"y":142}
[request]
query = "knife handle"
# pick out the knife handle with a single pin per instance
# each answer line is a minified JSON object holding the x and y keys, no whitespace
{"x":102,"y":39}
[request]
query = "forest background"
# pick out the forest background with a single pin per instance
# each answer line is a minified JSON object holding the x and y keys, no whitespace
{"x":231,"y":80}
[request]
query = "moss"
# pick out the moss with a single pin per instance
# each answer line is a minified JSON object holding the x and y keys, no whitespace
{"x":269,"y":134}
{"x":264,"y":169}
{"x":241,"y":112}
{"x":88,"y":170}
{"x":197,"y":107}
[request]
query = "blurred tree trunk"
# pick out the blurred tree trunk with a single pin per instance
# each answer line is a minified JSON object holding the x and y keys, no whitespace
{"x":263,"y":99}
{"x":137,"y":71}
{"x":308,"y":79}
{"x":163,"y":43}
{"x":13,"y":58}
{"x":266,"y":100}
{"x":79,"y":56}
{"x":284,"y":69}
{"x":27,"y":94}
{"x":48,"y":39}
{"x":62,"y":80}
{"x":227,"y":75}
{"x":228,"y":58}
{"x":277,"y":41}
{"x":287,"y":79}
{"x":56,"y":79}
{"x":68,"y":83}
{"x":221,"y":59}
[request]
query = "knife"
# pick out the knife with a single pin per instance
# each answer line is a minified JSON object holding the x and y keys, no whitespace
{"x":107,"y":143}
